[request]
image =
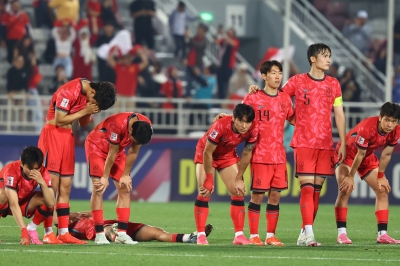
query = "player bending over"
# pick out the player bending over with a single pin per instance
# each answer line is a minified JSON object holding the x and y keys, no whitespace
{"x":217,"y":150}
{"x":361,"y":142}
{"x":82,"y":226}
{"x":105,"y":154}
{"x":18,"y":181}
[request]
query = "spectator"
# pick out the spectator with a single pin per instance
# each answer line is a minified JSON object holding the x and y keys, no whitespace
{"x":359,"y":32}
{"x":172,"y":89}
{"x":178,"y":24}
{"x":24,"y":48}
{"x":126,"y":74}
{"x":206,"y":92}
{"x":43,"y":14}
{"x":334,"y":70}
{"x":197,"y":47}
{"x":229,"y":46}
{"x":93,"y":10}
{"x":109,"y":13}
{"x":17,"y":84}
{"x":351,"y":91}
{"x":64,"y":36}
{"x":66,"y":9}
{"x":240,"y":80}
{"x":396,"y":44}
{"x":83,"y":53}
{"x":142,"y":12}
{"x":59,"y":79}
{"x":15,"y":22}
{"x":106,"y":73}
{"x":220,"y":32}
{"x":380,"y":58}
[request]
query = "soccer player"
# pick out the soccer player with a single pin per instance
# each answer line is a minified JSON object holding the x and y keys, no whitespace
{"x":82,"y":226}
{"x":361,"y":142}
{"x":18,"y":181}
{"x":105,"y":155}
{"x":315,"y":94}
{"x":76,"y":100}
{"x":217,"y":150}
{"x":268,"y":163}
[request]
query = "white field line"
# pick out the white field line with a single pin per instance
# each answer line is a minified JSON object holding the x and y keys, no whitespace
{"x":196,"y":255}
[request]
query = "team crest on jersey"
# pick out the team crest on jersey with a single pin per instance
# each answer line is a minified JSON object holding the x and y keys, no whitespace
{"x":213,"y":134}
{"x":360,"y":140}
{"x":114,"y":136}
{"x":282,"y":107}
{"x":328,"y":91}
{"x":10,"y":181}
{"x":64,"y":102}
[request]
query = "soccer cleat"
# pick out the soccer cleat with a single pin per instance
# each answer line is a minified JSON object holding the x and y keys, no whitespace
{"x":123,"y":238}
{"x":50,"y":238}
{"x":208,"y":229}
{"x":386,"y":239}
{"x":343,"y":239}
{"x":256,"y":241}
{"x":241,"y":240}
{"x":202,"y":240}
{"x":33,"y":235}
{"x":301,"y":241}
{"x":311,"y":242}
{"x":273,"y":241}
{"x":101,"y":240}
{"x":68,"y":239}
{"x":193,"y":236}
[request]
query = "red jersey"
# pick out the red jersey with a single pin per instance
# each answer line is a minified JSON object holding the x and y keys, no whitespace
{"x":11,"y":176}
{"x":314,"y":101}
{"x":16,"y":24}
{"x":366,"y":135}
{"x":271,"y":113}
{"x":222,"y":134}
{"x":126,"y":79}
{"x":114,"y":130}
{"x":69,"y":98}
{"x":168,"y":90}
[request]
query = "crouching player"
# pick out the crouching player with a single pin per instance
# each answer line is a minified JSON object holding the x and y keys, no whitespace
{"x":105,"y":154}
{"x":82,"y":226}
{"x":361,"y":142}
{"x":217,"y":150}
{"x":18,"y":181}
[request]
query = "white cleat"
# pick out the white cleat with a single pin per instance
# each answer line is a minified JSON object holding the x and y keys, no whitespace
{"x":123,"y":238}
{"x":311,"y":242}
{"x":101,"y":240}
{"x":301,"y":241}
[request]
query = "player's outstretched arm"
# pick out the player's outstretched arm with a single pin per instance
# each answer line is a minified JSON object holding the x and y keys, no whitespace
{"x":347,"y":184}
{"x":17,"y":214}
{"x":63,"y":118}
{"x":341,"y":126}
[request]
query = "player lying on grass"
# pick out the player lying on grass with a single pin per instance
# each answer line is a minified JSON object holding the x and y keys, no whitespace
{"x":361,"y":142}
{"x":18,"y":181}
{"x":216,"y":150}
{"x":82,"y":226}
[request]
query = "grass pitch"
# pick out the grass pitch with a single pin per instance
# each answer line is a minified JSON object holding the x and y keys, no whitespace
{"x":178,"y":217}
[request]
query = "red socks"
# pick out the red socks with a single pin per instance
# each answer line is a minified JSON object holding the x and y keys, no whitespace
{"x":317,"y":192}
{"x":98,"y":220}
{"x":63,"y":215}
{"x":382,"y":218}
{"x":253,"y":211}
{"x":123,"y":218}
{"x":307,"y":203}
{"x":237,"y":213}
{"x":201,"y":212}
{"x":41,"y":213}
{"x":272,"y":216}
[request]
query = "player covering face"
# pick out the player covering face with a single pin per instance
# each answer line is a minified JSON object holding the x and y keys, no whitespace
{"x":216,"y":150}
{"x":361,"y":142}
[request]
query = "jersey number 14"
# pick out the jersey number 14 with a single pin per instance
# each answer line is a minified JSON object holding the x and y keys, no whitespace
{"x":266,"y":114}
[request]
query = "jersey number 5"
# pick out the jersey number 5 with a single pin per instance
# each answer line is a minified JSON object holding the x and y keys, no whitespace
{"x":266,"y":113}
{"x":307,"y":100}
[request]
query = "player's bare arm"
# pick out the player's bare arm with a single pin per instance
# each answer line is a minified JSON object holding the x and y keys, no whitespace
{"x":386,"y":155}
{"x":76,"y":216}
{"x":341,"y":125}
{"x":219,"y":116}
{"x":63,"y":119}
{"x":48,"y":193}
{"x":84,"y":120}
{"x":242,"y":165}
{"x":253,"y":89}
{"x":131,"y":157}
{"x":110,"y":59}
{"x":17,"y":214}
{"x":207,"y":187}
{"x":102,"y":184}
{"x":347,"y":184}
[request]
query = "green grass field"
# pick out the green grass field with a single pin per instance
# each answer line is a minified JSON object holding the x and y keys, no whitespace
{"x":178,"y":217}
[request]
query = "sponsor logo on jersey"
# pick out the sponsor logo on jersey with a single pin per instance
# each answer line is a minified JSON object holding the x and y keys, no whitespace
{"x":260,"y":106}
{"x":114,"y":136}
{"x":10,"y":181}
{"x":213,"y":134}
{"x":360,"y":140}
{"x":64,"y":102}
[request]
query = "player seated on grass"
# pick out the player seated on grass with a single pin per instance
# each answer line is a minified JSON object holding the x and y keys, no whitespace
{"x":18,"y":181}
{"x":82,"y":226}
{"x":361,"y":142}
{"x":217,"y":150}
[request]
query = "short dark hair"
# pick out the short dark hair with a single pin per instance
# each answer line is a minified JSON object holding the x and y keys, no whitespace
{"x":106,"y":94}
{"x":267,"y":66}
{"x":203,"y":26}
{"x":181,"y":4}
{"x":390,"y":109}
{"x":315,"y":49}
{"x":142,"y":132}
{"x":31,"y":155}
{"x":243,"y":110}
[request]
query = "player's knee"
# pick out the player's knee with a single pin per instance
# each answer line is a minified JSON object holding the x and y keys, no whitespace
{"x":274,"y":197}
{"x":257,"y":198}
{"x":381,"y":195}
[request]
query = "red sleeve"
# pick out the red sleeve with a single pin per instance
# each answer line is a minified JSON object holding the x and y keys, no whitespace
{"x":11,"y":178}
{"x":290,"y":113}
{"x":117,"y":68}
{"x":113,"y":129}
{"x":216,"y":133}
{"x":362,"y":138}
{"x":5,"y":18}
{"x":290,"y":86}
{"x":164,"y":89}
{"x":253,"y":134}
{"x":180,"y":90}
{"x":65,"y":99}
{"x":236,"y":44}
{"x":93,"y":39}
{"x":248,"y":99}
{"x":46,"y":176}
